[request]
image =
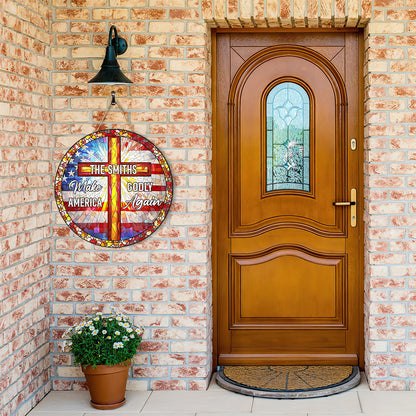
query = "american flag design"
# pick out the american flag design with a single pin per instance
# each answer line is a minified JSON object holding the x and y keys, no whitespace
{"x":113,"y":188}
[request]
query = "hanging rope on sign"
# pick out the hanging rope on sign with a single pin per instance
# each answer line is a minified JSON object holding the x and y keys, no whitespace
{"x":113,"y":102}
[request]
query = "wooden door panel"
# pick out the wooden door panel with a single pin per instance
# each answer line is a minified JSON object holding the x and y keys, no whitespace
{"x":290,"y":358}
{"x":264,"y":241}
{"x":287,"y":278}
{"x":310,"y":39}
{"x":312,"y":210}
{"x":265,"y":291}
{"x":270,"y":290}
{"x":288,"y":341}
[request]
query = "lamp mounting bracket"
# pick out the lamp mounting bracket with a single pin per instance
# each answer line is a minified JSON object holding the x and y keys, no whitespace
{"x":120,"y":45}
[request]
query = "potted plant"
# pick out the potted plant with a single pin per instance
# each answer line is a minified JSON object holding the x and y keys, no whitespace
{"x":104,"y":345}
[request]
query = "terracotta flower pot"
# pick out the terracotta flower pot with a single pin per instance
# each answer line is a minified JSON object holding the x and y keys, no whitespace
{"x":107,"y":384}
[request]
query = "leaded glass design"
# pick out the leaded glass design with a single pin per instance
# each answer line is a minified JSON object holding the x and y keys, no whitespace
{"x":287,"y":115}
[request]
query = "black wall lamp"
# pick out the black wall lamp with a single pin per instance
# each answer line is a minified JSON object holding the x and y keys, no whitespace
{"x":110,"y":72}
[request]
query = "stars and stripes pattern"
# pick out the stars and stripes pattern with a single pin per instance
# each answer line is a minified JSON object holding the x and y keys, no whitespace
{"x":113,"y":188}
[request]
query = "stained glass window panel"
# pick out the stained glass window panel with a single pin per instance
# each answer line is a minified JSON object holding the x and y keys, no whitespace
{"x":287,"y":149}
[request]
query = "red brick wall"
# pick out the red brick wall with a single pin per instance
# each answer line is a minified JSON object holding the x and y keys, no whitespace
{"x":390,"y":74}
{"x":25,"y":203}
{"x":164,"y":282}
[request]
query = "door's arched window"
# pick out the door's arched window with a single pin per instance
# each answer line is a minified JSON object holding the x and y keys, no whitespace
{"x":287,"y":149}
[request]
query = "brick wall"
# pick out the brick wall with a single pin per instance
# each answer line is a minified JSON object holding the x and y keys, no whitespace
{"x":390,"y":76}
{"x":25,"y":204}
{"x":164,"y":282}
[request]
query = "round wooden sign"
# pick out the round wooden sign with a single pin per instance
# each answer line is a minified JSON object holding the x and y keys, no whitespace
{"x":113,"y":188}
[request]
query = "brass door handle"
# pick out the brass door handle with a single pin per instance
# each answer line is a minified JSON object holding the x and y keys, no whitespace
{"x":343,"y":204}
{"x":352,"y":204}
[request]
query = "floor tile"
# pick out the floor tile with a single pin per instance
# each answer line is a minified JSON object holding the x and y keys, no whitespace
{"x":55,"y":413}
{"x":333,"y":414}
{"x":213,"y":384}
{"x":248,"y":414}
{"x":392,"y":403}
{"x":170,"y":414}
{"x":363,"y":384}
{"x":116,"y":412}
{"x":341,"y":404}
{"x":65,"y":401}
{"x":202,"y":401}
{"x":120,"y":412}
{"x":223,"y":414}
{"x":79,"y":401}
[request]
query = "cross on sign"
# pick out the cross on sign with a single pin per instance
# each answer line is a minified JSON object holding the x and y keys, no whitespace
{"x":114,"y":170}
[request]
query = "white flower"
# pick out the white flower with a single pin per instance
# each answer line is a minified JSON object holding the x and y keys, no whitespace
{"x":117,"y":333}
{"x":95,"y":332}
{"x":125,"y":338}
{"x":95,"y":308}
{"x":66,"y":333}
{"x":104,"y":331}
{"x":129,"y":330}
{"x":132,"y":336}
{"x":82,"y":324}
{"x":108,"y":337}
{"x":67,"y":345}
{"x":96,"y":319}
{"x":79,"y":332}
{"x":140,"y":331}
{"x":91,"y":328}
{"x":118,"y":318}
{"x":117,"y":345}
{"x":99,"y":313}
{"x":90,"y":322}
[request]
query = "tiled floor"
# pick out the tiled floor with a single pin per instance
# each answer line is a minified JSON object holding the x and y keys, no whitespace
{"x":216,"y":401}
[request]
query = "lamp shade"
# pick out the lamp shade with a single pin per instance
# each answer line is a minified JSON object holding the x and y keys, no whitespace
{"x":110,"y":72}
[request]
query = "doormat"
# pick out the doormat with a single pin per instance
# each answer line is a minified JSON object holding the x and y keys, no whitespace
{"x":288,"y":381}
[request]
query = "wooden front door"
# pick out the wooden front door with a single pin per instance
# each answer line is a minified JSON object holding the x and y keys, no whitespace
{"x":288,"y":277}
